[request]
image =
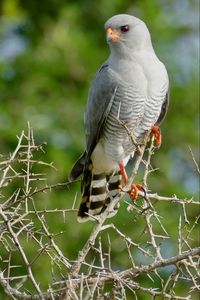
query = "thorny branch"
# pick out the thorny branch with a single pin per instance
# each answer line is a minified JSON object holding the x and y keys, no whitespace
{"x":90,"y":242}
{"x":92,"y":272}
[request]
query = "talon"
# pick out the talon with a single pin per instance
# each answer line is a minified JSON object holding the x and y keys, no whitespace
{"x":133,"y":193}
{"x":135,"y":188}
{"x":157,"y":134}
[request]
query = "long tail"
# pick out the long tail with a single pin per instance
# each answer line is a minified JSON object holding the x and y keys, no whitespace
{"x":97,"y":192}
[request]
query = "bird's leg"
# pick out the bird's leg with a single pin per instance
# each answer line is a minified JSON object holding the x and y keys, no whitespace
{"x":157,"y":134}
{"x":123,"y":172}
{"x":135,"y":188}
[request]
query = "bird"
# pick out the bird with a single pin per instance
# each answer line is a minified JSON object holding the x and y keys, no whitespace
{"x":131,"y":87}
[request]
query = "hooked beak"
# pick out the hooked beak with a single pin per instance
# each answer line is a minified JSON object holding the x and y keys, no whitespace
{"x":112,"y":35}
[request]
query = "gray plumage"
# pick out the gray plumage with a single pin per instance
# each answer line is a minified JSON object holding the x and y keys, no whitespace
{"x":131,"y":86}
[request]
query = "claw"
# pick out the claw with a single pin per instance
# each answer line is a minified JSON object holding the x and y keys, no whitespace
{"x":157,"y":134}
{"x":134,"y":191}
{"x":135,"y":188}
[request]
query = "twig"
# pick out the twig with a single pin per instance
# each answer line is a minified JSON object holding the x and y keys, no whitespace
{"x":24,"y":220}
{"x":194,"y":160}
{"x":91,"y":240}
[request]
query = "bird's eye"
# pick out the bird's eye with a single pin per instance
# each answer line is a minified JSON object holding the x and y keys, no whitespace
{"x":124,"y":28}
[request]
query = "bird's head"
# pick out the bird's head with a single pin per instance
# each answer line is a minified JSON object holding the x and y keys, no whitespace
{"x":126,"y":32}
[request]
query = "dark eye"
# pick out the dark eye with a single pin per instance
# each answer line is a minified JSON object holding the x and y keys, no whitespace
{"x":124,"y":28}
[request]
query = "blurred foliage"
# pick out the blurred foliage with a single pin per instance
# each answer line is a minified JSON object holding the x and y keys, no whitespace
{"x":49,"y":52}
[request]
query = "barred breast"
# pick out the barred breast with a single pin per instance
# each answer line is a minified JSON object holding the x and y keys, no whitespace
{"x":138,"y":112}
{"x":128,"y":107}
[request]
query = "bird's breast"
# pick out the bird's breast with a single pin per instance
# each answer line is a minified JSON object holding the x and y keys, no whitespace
{"x":125,"y":115}
{"x":136,"y":106}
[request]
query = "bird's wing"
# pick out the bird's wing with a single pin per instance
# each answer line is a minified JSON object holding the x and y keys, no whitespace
{"x":164,"y":109}
{"x":101,"y":97}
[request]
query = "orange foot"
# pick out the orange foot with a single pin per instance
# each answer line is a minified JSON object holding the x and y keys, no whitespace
{"x":135,"y":188}
{"x":134,"y":191}
{"x":157,"y":134}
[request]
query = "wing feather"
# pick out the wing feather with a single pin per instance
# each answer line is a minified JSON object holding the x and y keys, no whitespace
{"x":164,"y":109}
{"x":101,"y":97}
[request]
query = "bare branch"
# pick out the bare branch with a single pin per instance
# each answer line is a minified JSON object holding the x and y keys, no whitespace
{"x":27,"y":235}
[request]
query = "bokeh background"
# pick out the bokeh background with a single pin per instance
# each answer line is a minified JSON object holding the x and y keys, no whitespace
{"x":49,"y":52}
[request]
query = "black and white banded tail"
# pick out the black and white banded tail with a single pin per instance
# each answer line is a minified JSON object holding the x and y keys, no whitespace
{"x":98,"y":190}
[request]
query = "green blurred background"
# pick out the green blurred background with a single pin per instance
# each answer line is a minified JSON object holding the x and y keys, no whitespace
{"x":49,"y":52}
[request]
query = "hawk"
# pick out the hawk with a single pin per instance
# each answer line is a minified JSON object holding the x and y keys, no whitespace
{"x":131,"y":86}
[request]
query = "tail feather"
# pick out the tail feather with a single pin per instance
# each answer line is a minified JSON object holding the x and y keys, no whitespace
{"x":97,"y":192}
{"x":78,"y":167}
{"x":114,"y":182}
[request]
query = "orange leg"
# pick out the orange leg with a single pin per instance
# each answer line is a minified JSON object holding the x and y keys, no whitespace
{"x":157,"y":134}
{"x":123,"y":172}
{"x":135,"y":188}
